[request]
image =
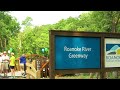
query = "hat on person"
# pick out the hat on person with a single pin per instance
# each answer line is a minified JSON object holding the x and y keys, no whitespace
{"x":0,"y":53}
{"x":12,"y":53}
{"x":4,"y":52}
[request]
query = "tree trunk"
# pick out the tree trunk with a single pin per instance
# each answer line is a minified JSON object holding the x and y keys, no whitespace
{"x":113,"y":27}
{"x":115,"y":23}
{"x":5,"y":44}
{"x":1,"y":44}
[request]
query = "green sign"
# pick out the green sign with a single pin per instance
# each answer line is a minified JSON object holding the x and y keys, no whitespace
{"x":46,"y":49}
{"x":11,"y":49}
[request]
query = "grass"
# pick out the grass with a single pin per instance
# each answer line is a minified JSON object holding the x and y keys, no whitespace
{"x":81,"y":76}
{"x":84,"y":76}
{"x":78,"y":76}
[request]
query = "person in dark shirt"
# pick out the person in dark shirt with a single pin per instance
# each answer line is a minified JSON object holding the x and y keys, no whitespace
{"x":23,"y":64}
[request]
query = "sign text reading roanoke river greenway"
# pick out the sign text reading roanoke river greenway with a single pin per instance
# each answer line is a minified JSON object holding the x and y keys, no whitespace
{"x":77,"y":52}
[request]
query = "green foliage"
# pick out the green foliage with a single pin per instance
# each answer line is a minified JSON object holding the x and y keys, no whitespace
{"x":105,"y":21}
{"x":9,"y":27}
{"x":68,"y":24}
{"x":27,"y":21}
{"x":32,"y":39}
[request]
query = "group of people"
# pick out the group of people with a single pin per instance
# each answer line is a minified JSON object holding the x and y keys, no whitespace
{"x":9,"y":62}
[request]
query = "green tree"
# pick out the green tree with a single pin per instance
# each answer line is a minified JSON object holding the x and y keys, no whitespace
{"x":105,"y":21}
{"x":9,"y":27}
{"x":27,"y":21}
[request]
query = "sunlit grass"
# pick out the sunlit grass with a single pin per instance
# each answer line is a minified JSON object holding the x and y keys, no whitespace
{"x":84,"y":76}
{"x":78,"y":76}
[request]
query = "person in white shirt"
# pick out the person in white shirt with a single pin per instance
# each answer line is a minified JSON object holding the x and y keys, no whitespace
{"x":6,"y":59}
{"x":1,"y":64}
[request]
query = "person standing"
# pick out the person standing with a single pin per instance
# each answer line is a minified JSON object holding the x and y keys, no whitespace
{"x":6,"y":59}
{"x":1,"y":64}
{"x":23,"y":64}
{"x":12,"y":65}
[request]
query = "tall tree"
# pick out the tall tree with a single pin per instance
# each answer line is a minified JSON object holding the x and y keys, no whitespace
{"x":107,"y":21}
{"x":9,"y":27}
{"x":27,"y":21}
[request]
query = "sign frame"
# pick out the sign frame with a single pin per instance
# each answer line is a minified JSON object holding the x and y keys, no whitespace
{"x":101,"y":35}
{"x":52,"y":35}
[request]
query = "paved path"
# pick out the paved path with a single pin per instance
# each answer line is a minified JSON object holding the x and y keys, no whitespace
{"x":17,"y":75}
